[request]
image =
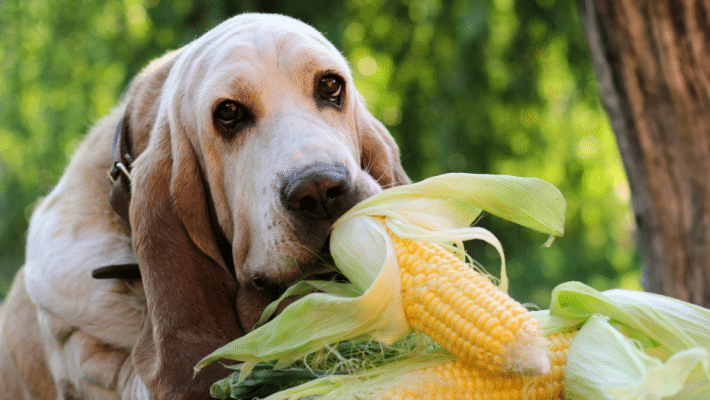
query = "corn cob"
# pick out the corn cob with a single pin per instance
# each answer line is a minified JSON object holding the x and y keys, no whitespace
{"x":466,"y":313}
{"x":454,"y":380}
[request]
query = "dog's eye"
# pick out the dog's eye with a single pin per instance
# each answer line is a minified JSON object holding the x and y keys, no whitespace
{"x":331,"y":88}
{"x":231,"y":116}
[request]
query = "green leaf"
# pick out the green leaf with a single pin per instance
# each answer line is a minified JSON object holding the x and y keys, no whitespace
{"x":460,"y":199}
{"x":604,"y":364}
{"x":662,"y":353}
{"x":263,"y":380}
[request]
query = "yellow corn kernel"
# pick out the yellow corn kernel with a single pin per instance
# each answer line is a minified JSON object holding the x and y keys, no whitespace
{"x":466,"y":313}
{"x":454,"y":380}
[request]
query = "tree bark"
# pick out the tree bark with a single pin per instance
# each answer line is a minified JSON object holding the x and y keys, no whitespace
{"x":652,"y":60}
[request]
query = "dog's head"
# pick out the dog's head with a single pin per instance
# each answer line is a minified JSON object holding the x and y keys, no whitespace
{"x":253,"y":139}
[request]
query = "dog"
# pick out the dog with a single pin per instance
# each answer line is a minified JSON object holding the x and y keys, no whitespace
{"x":231,"y":158}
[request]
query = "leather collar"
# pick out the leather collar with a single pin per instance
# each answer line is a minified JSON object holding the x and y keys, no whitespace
{"x":120,"y":198}
{"x":120,"y":173}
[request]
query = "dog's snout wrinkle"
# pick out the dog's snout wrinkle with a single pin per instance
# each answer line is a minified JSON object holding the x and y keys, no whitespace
{"x":318,"y":191}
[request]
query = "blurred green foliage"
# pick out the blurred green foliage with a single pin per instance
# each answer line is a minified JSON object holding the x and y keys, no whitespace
{"x":489,"y":86}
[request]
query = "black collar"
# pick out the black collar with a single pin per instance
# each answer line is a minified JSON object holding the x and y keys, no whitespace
{"x":120,"y":198}
{"x":120,"y":172}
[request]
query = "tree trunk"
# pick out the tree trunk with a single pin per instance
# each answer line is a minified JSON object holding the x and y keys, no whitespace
{"x":652,"y":60}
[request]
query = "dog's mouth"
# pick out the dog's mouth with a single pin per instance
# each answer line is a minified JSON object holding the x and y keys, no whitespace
{"x":321,"y":269}
{"x":334,"y":276}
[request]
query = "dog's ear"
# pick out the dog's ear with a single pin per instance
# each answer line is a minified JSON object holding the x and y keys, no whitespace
{"x":187,"y":186}
{"x":142,"y":100}
{"x":190,"y":294}
{"x":379,"y":152}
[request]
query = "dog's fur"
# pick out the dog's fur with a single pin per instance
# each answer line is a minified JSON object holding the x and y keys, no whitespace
{"x":207,"y":217}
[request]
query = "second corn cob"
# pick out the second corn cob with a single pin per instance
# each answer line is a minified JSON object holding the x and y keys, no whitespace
{"x":454,"y":380}
{"x":466,"y":313}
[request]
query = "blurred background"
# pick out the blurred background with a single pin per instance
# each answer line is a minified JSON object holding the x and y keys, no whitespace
{"x":489,"y":86}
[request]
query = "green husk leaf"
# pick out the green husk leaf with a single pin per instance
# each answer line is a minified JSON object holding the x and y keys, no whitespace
{"x":550,"y":324}
{"x":690,"y":318}
{"x":633,"y":345}
{"x":460,"y":198}
{"x":263,"y":380}
{"x":604,"y":364}
{"x":306,"y":287}
{"x":363,"y":384}
{"x":575,"y":300}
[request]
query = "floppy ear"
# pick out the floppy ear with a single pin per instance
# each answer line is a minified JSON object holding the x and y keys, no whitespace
{"x":190,"y":294}
{"x":379,"y":152}
{"x":143,"y":95}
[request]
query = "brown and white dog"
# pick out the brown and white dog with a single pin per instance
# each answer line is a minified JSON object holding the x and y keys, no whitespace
{"x":245,"y":145}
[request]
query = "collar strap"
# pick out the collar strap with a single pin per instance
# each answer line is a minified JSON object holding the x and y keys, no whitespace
{"x":120,"y":198}
{"x":117,"y":271}
{"x":120,"y":173}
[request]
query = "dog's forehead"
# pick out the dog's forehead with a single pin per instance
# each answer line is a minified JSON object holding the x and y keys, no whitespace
{"x":288,"y":43}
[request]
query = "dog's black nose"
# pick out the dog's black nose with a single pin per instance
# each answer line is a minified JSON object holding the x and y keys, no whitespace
{"x":318,"y":191}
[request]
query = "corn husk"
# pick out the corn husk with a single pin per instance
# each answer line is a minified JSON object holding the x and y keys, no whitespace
{"x":630,"y":346}
{"x":439,"y":209}
{"x":633,"y":345}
